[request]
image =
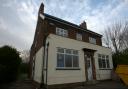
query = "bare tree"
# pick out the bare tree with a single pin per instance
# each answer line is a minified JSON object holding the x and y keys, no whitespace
{"x":25,"y":56}
{"x":116,"y":36}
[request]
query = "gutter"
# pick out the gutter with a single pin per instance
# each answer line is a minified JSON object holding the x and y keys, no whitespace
{"x":68,"y":23}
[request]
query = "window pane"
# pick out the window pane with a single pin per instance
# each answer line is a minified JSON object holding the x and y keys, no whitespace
{"x":75,"y":52}
{"x":92,"y":40}
{"x":107,"y":57}
{"x":68,"y":51}
{"x":65,"y":33}
{"x":103,"y":56}
{"x":60,"y":50}
{"x":103,"y":63}
{"x":79,"y":36}
{"x":60,"y":60}
{"x":75,"y":61}
{"x":100,"y":63}
{"x":108,"y":66}
{"x":68,"y":61}
{"x":99,"y":55}
{"x":88,"y":63}
{"x":61,"y":30}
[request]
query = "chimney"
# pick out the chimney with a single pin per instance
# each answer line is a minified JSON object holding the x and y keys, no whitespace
{"x":41,"y":9}
{"x":83,"y":25}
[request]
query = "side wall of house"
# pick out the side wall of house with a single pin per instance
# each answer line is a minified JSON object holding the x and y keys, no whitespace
{"x":38,"y":65}
{"x":73,"y":76}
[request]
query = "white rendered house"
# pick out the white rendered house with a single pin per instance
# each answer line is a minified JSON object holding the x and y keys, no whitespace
{"x":65,"y":54}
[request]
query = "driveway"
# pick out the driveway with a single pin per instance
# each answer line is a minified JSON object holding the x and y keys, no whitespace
{"x":105,"y":85}
{"x":27,"y":84}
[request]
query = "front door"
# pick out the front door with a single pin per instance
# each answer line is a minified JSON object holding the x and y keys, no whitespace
{"x":89,"y":69}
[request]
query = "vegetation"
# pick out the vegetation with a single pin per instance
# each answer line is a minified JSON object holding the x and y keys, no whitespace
{"x":116,"y":37}
{"x":9,"y":64}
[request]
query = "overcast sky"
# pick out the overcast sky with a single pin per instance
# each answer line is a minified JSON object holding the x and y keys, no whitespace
{"x":18,"y":17}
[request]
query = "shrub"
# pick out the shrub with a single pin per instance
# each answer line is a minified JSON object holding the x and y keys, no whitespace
{"x":9,"y":64}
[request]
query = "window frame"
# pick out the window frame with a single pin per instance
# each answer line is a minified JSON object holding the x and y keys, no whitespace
{"x":61,"y":32}
{"x":74,"y":53}
{"x":92,"y":40}
{"x":103,"y":58}
{"x":79,"y":36}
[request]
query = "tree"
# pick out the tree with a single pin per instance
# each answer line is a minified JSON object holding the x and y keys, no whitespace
{"x":115,"y":36}
{"x":25,"y":56}
{"x":9,"y":64}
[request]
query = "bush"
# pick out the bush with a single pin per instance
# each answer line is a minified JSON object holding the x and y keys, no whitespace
{"x":120,"y":58}
{"x":24,"y":68}
{"x":9,"y":64}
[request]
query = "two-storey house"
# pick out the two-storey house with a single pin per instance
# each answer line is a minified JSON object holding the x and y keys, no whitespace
{"x":66,"y":54}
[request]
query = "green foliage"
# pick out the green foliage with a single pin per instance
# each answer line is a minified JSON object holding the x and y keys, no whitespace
{"x":120,"y":58}
{"x":24,"y":68}
{"x":9,"y":64}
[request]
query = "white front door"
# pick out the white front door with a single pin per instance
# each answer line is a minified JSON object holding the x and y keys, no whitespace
{"x":89,"y":68}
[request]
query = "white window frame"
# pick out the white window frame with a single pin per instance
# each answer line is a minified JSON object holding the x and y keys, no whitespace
{"x":106,"y":59}
{"x":78,"y":36}
{"x":72,"y":54}
{"x":61,"y":32}
{"x":92,"y":40}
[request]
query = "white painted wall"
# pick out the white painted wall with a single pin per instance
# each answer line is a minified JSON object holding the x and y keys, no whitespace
{"x":72,"y":76}
{"x":38,"y":65}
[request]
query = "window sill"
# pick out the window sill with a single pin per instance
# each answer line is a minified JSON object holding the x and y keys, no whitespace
{"x":67,"y":68}
{"x":105,"y":69}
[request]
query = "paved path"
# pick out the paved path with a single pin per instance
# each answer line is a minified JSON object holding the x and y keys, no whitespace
{"x":24,"y":84}
{"x":27,"y":84}
{"x":105,"y":85}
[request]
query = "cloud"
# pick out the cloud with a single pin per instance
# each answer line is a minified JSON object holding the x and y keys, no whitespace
{"x":8,"y":38}
{"x":97,"y":14}
{"x":18,"y":17}
{"x":18,"y":22}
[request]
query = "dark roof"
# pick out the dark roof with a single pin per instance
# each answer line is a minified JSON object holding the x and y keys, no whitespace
{"x":69,"y":23}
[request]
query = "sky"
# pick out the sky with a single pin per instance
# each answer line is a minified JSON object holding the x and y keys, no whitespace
{"x":18,"y":18}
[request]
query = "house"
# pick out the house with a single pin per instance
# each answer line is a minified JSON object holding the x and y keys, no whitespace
{"x":66,"y":54}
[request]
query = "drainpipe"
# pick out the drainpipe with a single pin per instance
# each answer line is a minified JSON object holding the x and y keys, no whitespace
{"x":44,"y":53}
{"x":47,"y":65}
{"x":42,"y":82}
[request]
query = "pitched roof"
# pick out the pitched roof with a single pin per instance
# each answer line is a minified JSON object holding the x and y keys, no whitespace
{"x":47,"y":16}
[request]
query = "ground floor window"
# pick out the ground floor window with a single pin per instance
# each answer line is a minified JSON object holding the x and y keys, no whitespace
{"x":67,"y":58}
{"x":103,"y":61}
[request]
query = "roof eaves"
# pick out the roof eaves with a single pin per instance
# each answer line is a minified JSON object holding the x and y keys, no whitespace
{"x":68,"y":23}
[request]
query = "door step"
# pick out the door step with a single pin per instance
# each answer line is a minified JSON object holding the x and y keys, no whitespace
{"x":91,"y":82}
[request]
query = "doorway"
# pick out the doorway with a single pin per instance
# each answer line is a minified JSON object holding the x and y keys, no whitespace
{"x":90,"y":72}
{"x":89,"y":69}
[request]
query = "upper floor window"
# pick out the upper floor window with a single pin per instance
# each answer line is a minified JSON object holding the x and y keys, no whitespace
{"x":61,"y":32}
{"x":103,"y":61}
{"x":92,"y":40}
{"x":67,"y":58}
{"x":78,"y":36}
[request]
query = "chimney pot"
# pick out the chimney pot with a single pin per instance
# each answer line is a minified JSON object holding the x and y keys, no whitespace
{"x":83,"y":25}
